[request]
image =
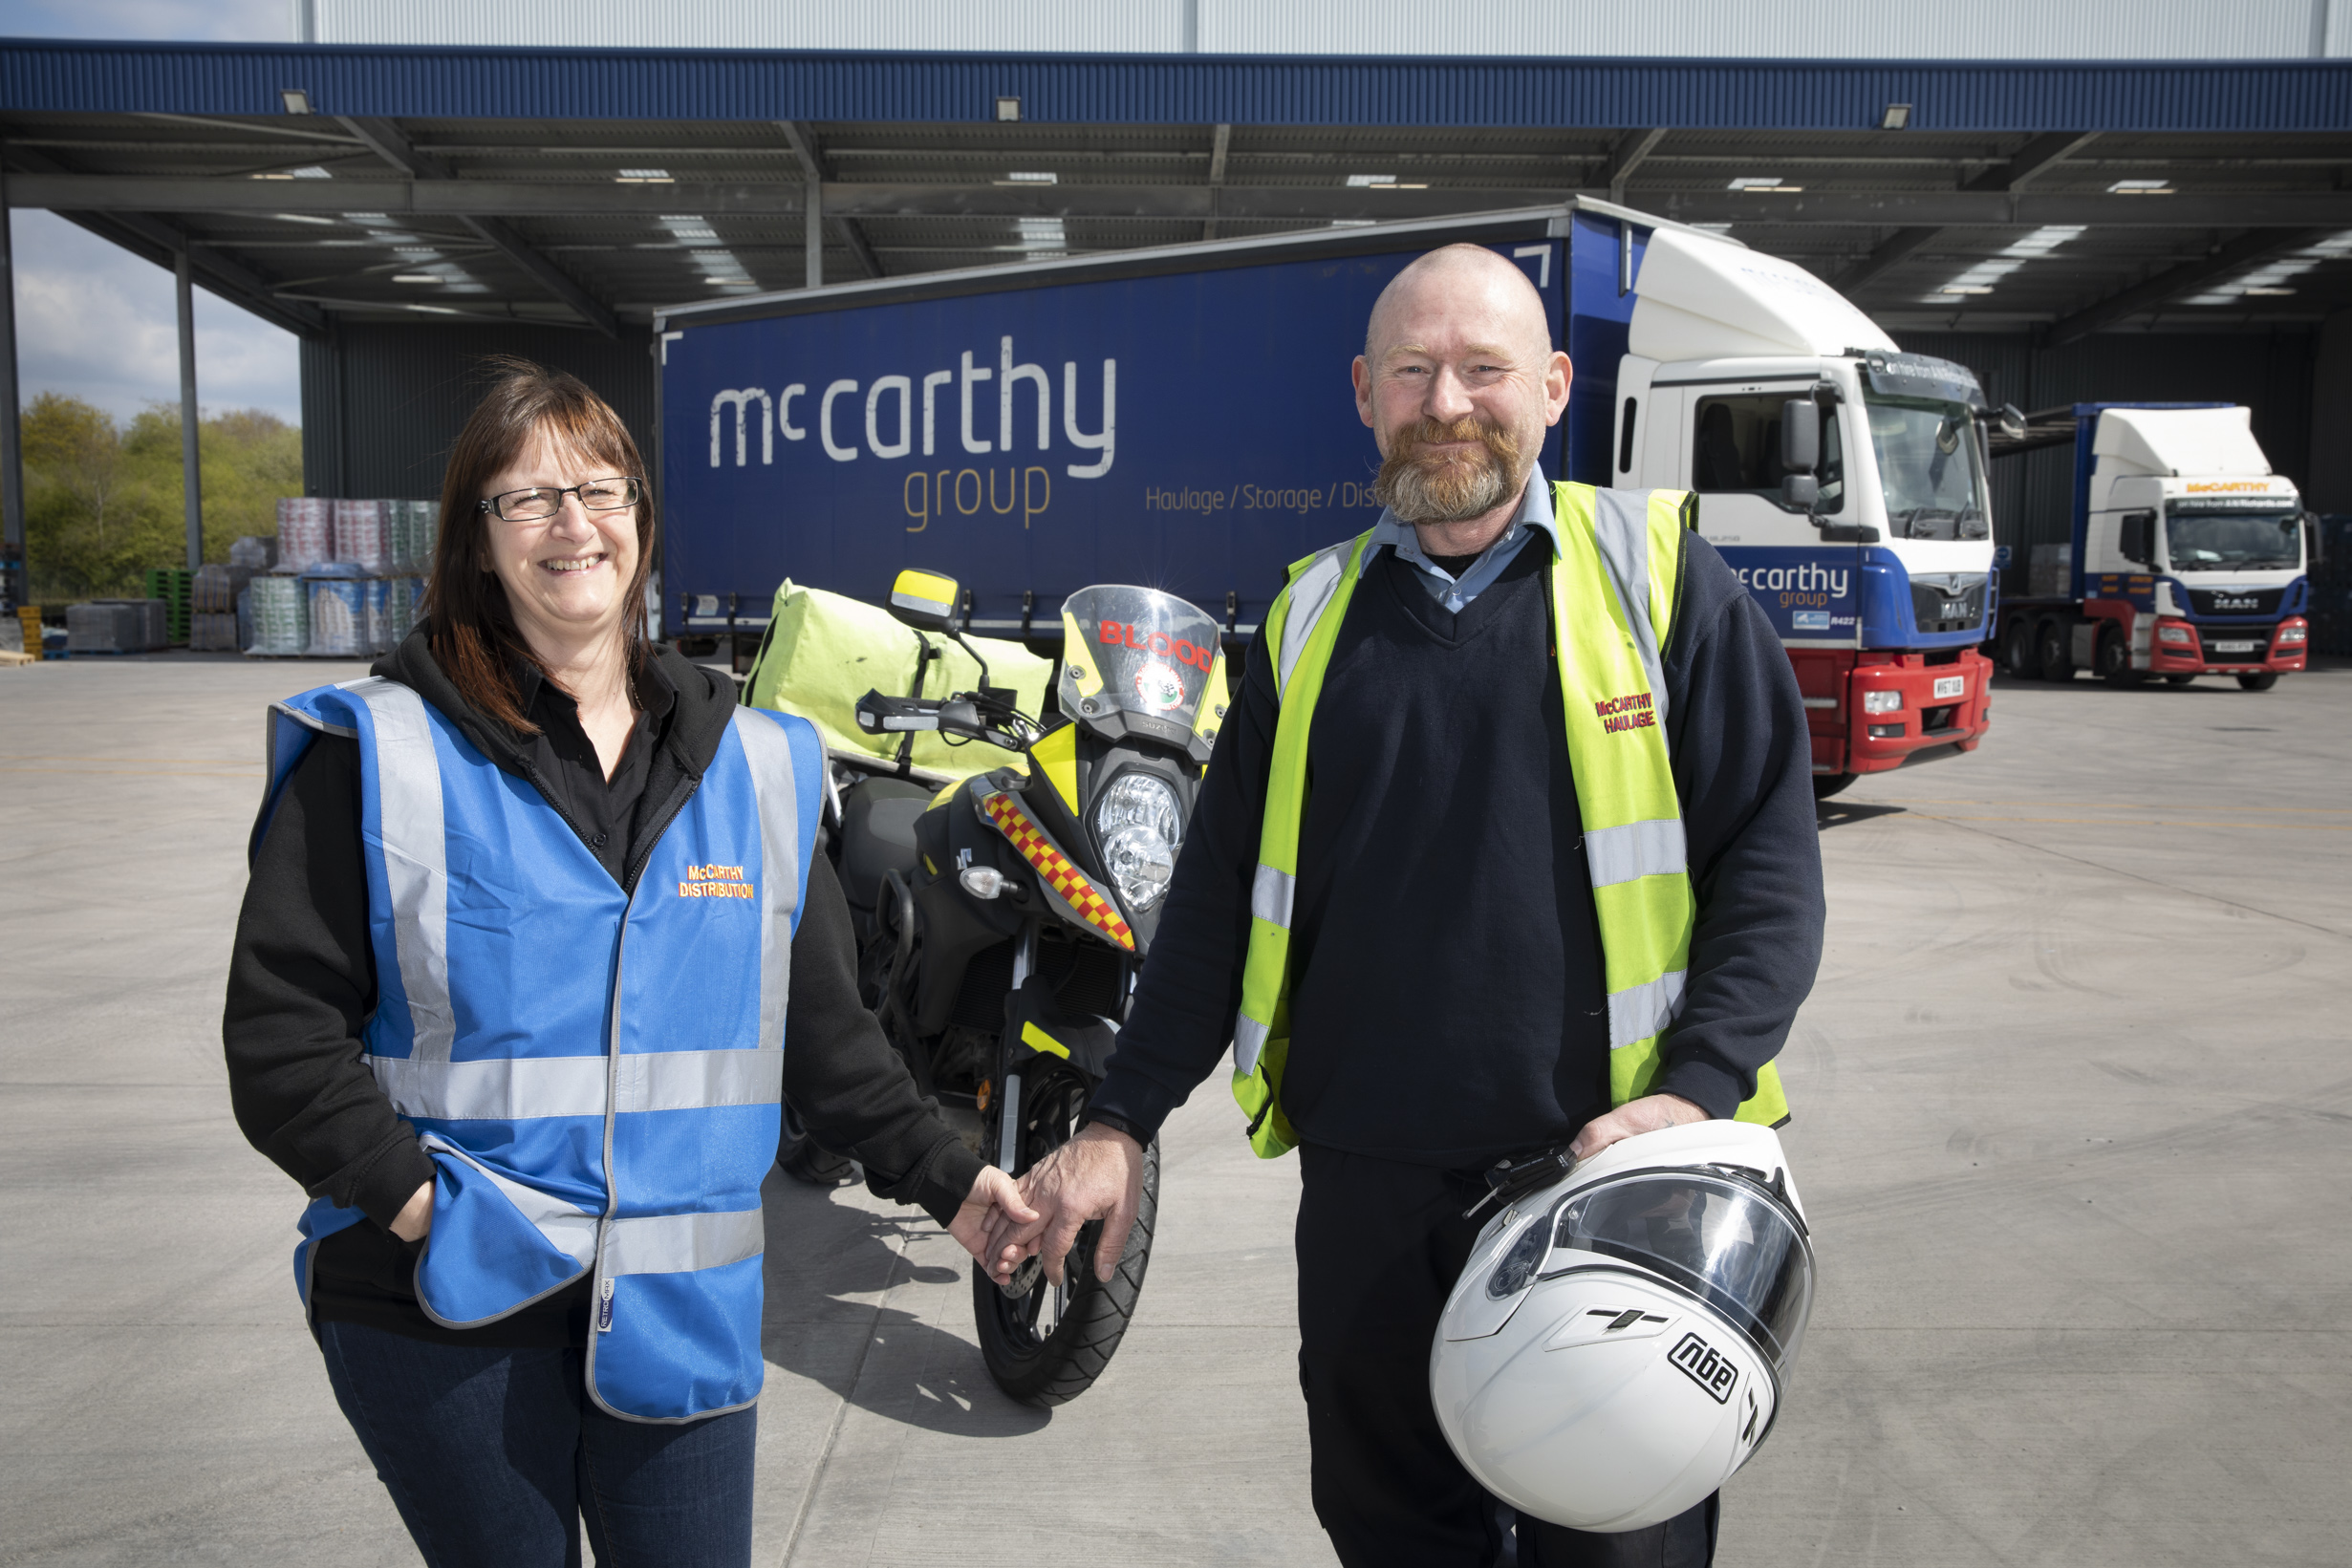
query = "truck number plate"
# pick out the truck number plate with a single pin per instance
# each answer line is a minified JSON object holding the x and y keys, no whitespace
{"x":1951,"y":686}
{"x":2233,"y":648}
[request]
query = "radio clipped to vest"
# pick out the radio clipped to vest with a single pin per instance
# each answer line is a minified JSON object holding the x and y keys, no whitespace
{"x":1618,"y":548}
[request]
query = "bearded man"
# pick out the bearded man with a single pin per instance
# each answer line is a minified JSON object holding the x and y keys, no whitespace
{"x":1431,"y":926}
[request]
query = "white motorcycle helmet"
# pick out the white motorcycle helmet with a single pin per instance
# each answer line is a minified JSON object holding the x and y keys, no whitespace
{"x":1619,"y":1344}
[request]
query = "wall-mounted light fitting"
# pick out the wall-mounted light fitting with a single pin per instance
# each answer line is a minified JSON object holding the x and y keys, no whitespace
{"x":298,"y":99}
{"x":1008,"y":109}
{"x":1897,"y":118}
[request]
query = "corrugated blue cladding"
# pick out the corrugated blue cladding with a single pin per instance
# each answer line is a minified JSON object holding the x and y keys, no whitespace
{"x":1076,"y":89}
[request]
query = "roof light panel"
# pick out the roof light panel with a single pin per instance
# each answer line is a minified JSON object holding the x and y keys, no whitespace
{"x":2268,"y":281}
{"x":1980,"y":278}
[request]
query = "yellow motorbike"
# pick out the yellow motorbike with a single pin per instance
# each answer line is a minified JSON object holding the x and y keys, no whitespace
{"x":1012,"y":910}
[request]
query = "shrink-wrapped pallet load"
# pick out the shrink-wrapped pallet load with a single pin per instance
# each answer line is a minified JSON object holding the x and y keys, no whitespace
{"x":280,"y":607}
{"x":338,"y":596}
{"x":361,"y":535}
{"x":306,"y":532}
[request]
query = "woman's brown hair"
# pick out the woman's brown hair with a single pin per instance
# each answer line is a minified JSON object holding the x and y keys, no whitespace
{"x":472,"y":632}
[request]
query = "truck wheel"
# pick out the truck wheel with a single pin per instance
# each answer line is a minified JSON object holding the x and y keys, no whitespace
{"x":2115,"y":658}
{"x":1826,"y":785}
{"x":2052,"y":650}
{"x":2178,"y":681}
{"x":2017,"y":650}
{"x":2262,"y":682}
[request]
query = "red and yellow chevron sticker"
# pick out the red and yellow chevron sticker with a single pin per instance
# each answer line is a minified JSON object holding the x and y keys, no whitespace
{"x":1050,"y":864}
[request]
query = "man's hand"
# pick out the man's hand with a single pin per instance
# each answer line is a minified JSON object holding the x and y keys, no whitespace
{"x":1096,"y":1175}
{"x":994,"y":1206}
{"x":1647,"y":1114}
{"x":416,"y":1217}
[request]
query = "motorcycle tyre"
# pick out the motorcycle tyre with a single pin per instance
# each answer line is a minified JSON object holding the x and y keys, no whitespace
{"x":1068,"y":1362}
{"x":804,"y":1159}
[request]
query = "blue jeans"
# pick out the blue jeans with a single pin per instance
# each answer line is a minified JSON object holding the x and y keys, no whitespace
{"x":493,"y":1456}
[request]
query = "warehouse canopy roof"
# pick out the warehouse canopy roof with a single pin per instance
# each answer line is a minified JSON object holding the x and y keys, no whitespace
{"x":591,"y":187}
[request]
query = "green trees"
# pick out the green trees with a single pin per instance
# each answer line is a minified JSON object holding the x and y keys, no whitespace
{"x":102,"y":501}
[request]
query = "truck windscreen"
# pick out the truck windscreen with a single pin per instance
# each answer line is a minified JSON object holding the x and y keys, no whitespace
{"x":1928,"y":467}
{"x":2204,"y":539}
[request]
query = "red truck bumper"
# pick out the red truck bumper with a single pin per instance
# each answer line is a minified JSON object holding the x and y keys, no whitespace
{"x":2178,"y":649}
{"x":1871,"y":712}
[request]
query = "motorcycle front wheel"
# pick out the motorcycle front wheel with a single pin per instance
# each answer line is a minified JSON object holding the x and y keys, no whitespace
{"x":1047,"y":1345}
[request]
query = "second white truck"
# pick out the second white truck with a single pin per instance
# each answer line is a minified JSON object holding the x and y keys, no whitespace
{"x":2188,"y":556}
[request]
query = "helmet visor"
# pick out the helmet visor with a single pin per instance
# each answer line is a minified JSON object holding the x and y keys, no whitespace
{"x":1725,"y":1240}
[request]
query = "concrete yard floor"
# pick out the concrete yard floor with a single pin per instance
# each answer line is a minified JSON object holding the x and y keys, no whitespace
{"x":2074,"y":1113}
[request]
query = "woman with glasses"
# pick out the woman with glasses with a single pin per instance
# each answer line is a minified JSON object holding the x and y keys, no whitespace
{"x":535,"y":911}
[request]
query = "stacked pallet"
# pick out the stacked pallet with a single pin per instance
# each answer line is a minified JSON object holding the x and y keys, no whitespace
{"x":347,"y":579}
{"x":117,"y":626}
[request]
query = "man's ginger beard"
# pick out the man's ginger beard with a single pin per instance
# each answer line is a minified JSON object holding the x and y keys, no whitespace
{"x":1421,"y":485}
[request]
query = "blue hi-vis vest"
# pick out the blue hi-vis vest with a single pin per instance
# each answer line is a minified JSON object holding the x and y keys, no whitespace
{"x":596,"y":1077}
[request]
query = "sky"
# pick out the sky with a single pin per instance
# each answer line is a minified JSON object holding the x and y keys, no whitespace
{"x":95,"y":322}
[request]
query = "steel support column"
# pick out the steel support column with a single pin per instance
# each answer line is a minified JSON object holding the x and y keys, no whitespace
{"x":191,"y":469}
{"x":813,"y":220}
{"x":14,"y":587}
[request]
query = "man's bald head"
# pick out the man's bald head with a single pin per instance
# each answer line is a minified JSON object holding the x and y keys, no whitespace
{"x":1459,"y":379}
{"x":1487,"y":295}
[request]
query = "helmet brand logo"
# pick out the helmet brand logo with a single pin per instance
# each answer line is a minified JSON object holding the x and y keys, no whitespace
{"x":1703,"y":1365}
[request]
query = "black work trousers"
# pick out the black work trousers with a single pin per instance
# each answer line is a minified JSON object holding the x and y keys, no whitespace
{"x":1380,"y":1245}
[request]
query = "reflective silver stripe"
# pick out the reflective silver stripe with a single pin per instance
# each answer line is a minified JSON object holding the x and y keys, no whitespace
{"x":1621,"y":528}
{"x":416,"y":858}
{"x":504,"y":1089}
{"x":769,"y":753}
{"x":1311,"y":594}
{"x":570,"y":1229}
{"x":682,"y":1243}
{"x":1639,"y":849}
{"x":520,"y":1088}
{"x":1269,"y":896}
{"x":694,"y":1080}
{"x":1249,"y":1037}
{"x":1640,"y":1011}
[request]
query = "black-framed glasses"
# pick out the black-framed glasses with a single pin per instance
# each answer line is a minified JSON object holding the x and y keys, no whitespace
{"x":596,"y":495}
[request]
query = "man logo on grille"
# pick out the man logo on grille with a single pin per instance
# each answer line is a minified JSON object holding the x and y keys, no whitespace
{"x":1704,"y":1365}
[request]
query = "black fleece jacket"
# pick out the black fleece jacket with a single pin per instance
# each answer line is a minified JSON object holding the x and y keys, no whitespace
{"x":1381,"y":1076}
{"x":302,"y":985}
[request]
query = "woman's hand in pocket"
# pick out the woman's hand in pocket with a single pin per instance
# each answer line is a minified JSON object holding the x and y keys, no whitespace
{"x":416,"y":1217}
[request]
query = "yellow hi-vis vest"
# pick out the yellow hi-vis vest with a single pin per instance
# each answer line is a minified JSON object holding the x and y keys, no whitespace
{"x":1620,"y":552}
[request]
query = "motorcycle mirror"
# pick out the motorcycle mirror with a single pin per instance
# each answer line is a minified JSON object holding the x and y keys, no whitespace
{"x":925,"y":600}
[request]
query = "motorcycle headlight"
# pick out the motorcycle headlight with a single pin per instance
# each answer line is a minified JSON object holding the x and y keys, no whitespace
{"x":1140,"y":828}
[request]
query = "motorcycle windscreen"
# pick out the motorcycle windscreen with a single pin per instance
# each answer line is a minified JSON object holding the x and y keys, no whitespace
{"x":1136,"y":650}
{"x":1728,"y":1242}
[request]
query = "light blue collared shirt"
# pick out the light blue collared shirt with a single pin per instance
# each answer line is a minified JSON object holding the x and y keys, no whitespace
{"x":1454,"y":594}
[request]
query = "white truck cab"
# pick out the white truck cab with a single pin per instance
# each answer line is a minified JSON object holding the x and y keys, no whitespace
{"x":1878,"y":574}
{"x":2188,"y":557}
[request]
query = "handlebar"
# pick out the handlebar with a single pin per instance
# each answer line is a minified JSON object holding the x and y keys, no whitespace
{"x":985,"y":715}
